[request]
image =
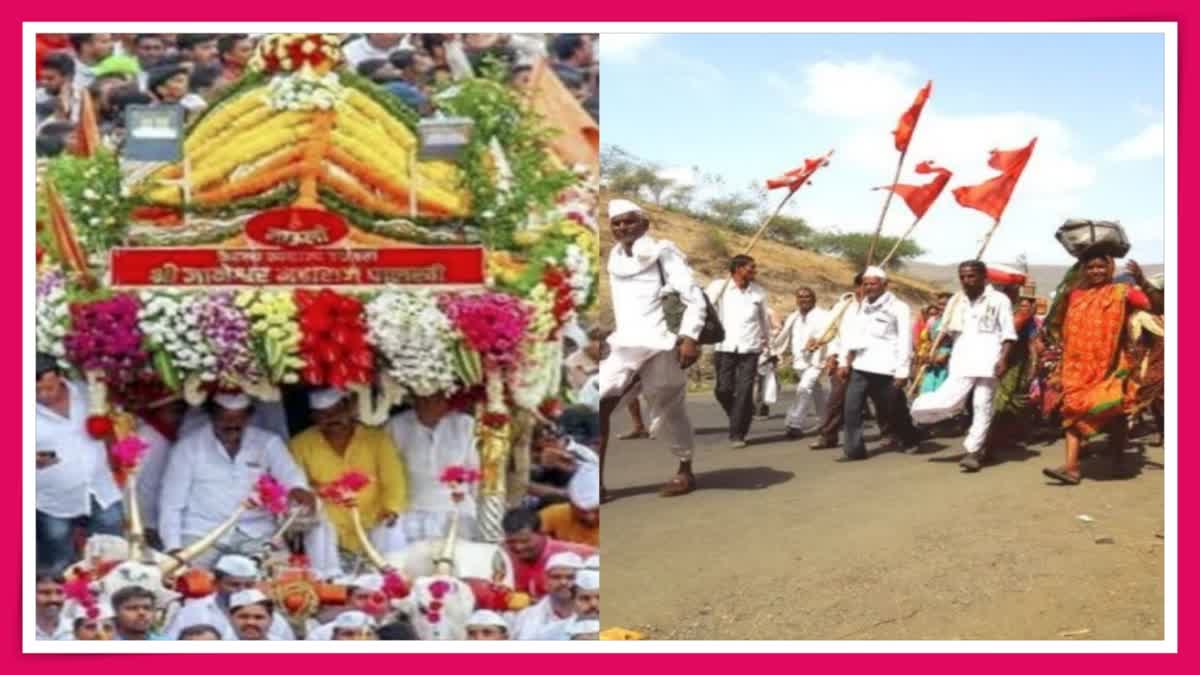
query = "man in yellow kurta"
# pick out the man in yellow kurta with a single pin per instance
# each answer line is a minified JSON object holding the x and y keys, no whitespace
{"x":337,"y":443}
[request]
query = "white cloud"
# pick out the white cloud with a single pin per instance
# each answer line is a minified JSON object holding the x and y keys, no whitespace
{"x":855,"y":90}
{"x":626,"y":47}
{"x":683,"y":176}
{"x":1144,"y":111}
{"x":1147,"y":144}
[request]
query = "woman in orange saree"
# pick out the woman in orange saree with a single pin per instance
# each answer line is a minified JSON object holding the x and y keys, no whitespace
{"x":1095,"y":365}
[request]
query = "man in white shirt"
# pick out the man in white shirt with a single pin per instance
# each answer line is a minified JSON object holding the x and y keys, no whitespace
{"x":75,"y":484}
{"x":645,"y":355}
{"x":234,"y":574}
{"x":52,"y":623}
{"x":557,"y":607}
{"x":876,"y":354}
{"x":214,"y":468}
{"x":431,"y":437}
{"x":981,"y":320}
{"x":372,"y":46}
{"x":807,"y":323}
{"x":741,"y":305}
{"x":250,"y":614}
{"x":485,"y":624}
{"x":90,"y":50}
{"x":833,"y":417}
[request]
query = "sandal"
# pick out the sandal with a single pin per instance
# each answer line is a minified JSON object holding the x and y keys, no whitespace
{"x":679,"y":485}
{"x":1063,"y":475}
{"x":633,"y":435}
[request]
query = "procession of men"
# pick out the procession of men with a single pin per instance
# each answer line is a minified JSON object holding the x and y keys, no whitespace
{"x":860,"y":349}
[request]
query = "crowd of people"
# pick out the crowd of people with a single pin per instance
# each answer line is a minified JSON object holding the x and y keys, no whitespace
{"x":190,"y":69}
{"x":202,"y":463}
{"x":986,"y":359}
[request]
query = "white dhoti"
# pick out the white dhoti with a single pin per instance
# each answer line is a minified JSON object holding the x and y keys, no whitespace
{"x":810,"y":396}
{"x":663,"y":386}
{"x":949,"y":399}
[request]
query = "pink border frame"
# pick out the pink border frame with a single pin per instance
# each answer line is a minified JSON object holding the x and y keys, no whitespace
{"x":15,"y":77}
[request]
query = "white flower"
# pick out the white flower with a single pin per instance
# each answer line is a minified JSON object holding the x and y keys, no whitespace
{"x":89,"y":193}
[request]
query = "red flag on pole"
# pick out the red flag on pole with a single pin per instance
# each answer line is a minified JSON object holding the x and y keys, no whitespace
{"x":920,"y":197}
{"x":87,"y":134}
{"x":992,"y":195}
{"x":793,"y":179}
{"x":908,"y":121}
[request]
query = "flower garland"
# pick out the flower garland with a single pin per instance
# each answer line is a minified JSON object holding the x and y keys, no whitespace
{"x":417,"y":340}
{"x":334,"y":343}
{"x":345,"y":488}
{"x":491,"y":324}
{"x":52,"y":314}
{"x":276,"y":334}
{"x":227,"y":332}
{"x":294,"y":51}
{"x":171,"y":323}
{"x":270,"y":495}
{"x":105,"y":338}
{"x":304,"y":92}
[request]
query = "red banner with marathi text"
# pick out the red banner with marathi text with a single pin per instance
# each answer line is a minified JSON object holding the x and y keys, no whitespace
{"x":225,"y":267}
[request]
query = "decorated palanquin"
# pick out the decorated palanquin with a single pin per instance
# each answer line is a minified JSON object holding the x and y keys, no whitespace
{"x":309,"y":229}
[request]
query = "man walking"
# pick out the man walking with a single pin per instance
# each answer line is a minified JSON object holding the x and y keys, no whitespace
{"x":741,"y":304}
{"x":833,"y":417}
{"x":982,"y":321}
{"x":645,"y":355}
{"x":876,"y":355}
{"x":802,"y":327}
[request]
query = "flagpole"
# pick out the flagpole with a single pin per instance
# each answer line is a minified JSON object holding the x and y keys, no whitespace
{"x":950,"y":307}
{"x":763,"y":228}
{"x":896,"y":247}
{"x":886,"y":203}
{"x":754,"y":240}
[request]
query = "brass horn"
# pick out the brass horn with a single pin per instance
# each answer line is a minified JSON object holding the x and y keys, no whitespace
{"x":444,"y":563}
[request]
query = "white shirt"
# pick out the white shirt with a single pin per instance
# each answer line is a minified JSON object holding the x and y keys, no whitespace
{"x":65,"y":489}
{"x":980,"y":328}
{"x":203,"y":486}
{"x":64,"y":630}
{"x":743,"y":313}
{"x":637,"y":294}
{"x":84,"y":75}
{"x":150,"y":472}
{"x":359,"y":51}
{"x":206,"y":610}
{"x":427,"y":452}
{"x":796,"y":332}
{"x":881,"y":337}
{"x":837,"y":346}
{"x":537,"y":620}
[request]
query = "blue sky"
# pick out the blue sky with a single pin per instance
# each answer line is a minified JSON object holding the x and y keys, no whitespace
{"x":752,"y":106}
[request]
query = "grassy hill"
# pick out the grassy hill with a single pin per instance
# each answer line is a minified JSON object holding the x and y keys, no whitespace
{"x":781,"y":268}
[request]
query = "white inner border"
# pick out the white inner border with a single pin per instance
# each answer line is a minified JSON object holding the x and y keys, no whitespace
{"x":1170,"y":104}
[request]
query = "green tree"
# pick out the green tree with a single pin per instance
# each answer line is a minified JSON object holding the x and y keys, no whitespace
{"x":853,"y":247}
{"x":730,"y":210}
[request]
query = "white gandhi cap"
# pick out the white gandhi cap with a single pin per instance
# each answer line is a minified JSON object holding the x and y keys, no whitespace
{"x":251,"y":596}
{"x":587,"y":580}
{"x":232,"y":401}
{"x":486,"y":617}
{"x":237,"y":566}
{"x":568,"y":560}
{"x":876,"y":272}
{"x":619,"y":207}
{"x":324,"y":399}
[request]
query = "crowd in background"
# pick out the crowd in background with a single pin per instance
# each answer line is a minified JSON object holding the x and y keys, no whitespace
{"x":190,"y":69}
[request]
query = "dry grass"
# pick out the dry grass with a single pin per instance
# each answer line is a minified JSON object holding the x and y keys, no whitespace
{"x":781,"y":269}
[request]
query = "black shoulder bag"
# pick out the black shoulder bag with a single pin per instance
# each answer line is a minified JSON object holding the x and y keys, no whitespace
{"x":712,"y":332}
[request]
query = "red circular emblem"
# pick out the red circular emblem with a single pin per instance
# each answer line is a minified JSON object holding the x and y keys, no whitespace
{"x":296,"y":228}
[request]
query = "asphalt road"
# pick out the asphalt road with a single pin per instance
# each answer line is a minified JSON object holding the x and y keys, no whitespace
{"x":781,"y":542}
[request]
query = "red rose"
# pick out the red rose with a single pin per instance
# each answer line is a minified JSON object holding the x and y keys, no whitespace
{"x":99,"y":426}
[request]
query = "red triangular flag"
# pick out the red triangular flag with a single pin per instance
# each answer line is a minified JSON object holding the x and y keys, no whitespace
{"x":87,"y":134}
{"x":992,"y":195}
{"x":908,"y":121}
{"x":920,"y":197}
{"x":796,"y":177}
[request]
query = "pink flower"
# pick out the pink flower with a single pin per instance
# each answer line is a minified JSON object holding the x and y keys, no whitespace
{"x":127,"y":452}
{"x":458,"y":473}
{"x":439,"y":588}
{"x":271,"y":494}
{"x":354,"y":480}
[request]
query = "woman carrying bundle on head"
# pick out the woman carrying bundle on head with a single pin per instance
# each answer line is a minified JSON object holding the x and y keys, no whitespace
{"x":1095,"y":366}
